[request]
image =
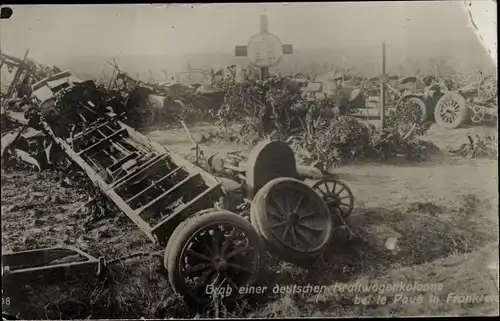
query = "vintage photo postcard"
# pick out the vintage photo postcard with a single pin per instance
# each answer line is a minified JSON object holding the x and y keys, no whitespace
{"x":257,"y":160}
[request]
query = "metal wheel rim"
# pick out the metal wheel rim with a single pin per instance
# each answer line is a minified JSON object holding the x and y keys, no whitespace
{"x":290,"y":218}
{"x":449,"y":111}
{"x":413,"y":103}
{"x":215,"y":260}
{"x":337,"y":196}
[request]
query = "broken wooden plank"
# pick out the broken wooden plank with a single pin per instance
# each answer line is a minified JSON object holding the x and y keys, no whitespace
{"x":180,"y":161}
{"x":15,"y":116}
{"x":112,"y":168}
{"x":144,"y":168}
{"x":90,"y":131}
{"x":17,"y":75}
{"x":164,"y":228}
{"x":158,"y":199}
{"x":235,"y":168}
{"x":153,"y":184}
{"x":94,"y":177}
{"x":106,"y":140}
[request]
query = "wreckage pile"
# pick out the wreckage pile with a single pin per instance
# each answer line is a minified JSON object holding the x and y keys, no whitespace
{"x":481,"y":147}
{"x":84,"y":119}
{"x":152,"y":104}
{"x":330,"y":133}
{"x":170,"y":199}
{"x":274,"y":108}
{"x":329,"y":130}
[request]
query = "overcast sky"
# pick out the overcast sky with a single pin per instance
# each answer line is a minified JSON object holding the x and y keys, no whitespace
{"x":83,"y":30}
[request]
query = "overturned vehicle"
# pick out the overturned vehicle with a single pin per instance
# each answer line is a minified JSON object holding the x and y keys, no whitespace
{"x":450,"y":108}
{"x":151,"y":104}
{"x":476,"y":103}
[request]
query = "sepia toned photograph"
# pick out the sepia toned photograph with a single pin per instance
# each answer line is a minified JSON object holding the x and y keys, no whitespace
{"x":249,"y":160}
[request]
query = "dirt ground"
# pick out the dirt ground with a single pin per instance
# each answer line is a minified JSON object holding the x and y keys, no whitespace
{"x":443,"y":213}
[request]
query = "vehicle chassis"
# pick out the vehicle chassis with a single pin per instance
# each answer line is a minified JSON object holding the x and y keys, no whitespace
{"x":177,"y":203}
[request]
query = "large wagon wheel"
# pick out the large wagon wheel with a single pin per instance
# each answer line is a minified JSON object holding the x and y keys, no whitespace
{"x":292,"y":218}
{"x":487,"y":88}
{"x":451,"y":110}
{"x":415,"y":104}
{"x":215,"y":247}
{"x":337,"y":196}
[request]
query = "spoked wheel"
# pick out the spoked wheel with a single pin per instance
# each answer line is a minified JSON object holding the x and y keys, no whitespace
{"x":292,"y":218}
{"x":337,"y":196}
{"x":451,"y":111}
{"x":215,"y":250}
{"x":478,"y":114}
{"x":487,"y":88}
{"x":417,"y":108}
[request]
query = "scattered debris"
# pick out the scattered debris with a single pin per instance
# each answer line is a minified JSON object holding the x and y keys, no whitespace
{"x":482,"y":147}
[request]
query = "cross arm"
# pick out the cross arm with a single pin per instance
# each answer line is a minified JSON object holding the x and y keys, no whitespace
{"x":241,"y":51}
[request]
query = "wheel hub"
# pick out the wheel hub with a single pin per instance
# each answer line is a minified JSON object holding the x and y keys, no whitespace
{"x":478,"y":114}
{"x":449,"y":110}
{"x":333,"y":199}
{"x":220,"y":264}
{"x":293,"y":219}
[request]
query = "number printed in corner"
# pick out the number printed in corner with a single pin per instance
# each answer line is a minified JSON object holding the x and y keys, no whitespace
{"x":5,"y":301}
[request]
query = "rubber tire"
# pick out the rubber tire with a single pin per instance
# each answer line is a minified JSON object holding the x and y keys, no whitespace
{"x":421,"y":104}
{"x":463,"y":112}
{"x":276,"y":246}
{"x":185,"y":231}
{"x":178,"y":228}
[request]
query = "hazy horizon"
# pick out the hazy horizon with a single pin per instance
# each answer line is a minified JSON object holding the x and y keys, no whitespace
{"x":129,"y":29}
{"x":152,"y":37}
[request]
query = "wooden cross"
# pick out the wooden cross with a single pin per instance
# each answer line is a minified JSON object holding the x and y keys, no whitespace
{"x":242,"y":51}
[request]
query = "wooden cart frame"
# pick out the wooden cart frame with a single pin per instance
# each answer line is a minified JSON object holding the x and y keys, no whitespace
{"x":42,"y":267}
{"x":177,"y":203}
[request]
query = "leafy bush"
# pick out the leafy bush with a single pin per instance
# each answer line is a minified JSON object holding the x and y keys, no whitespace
{"x":343,"y":138}
{"x":264,"y":106}
{"x":268,"y":109}
{"x":400,"y":134}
